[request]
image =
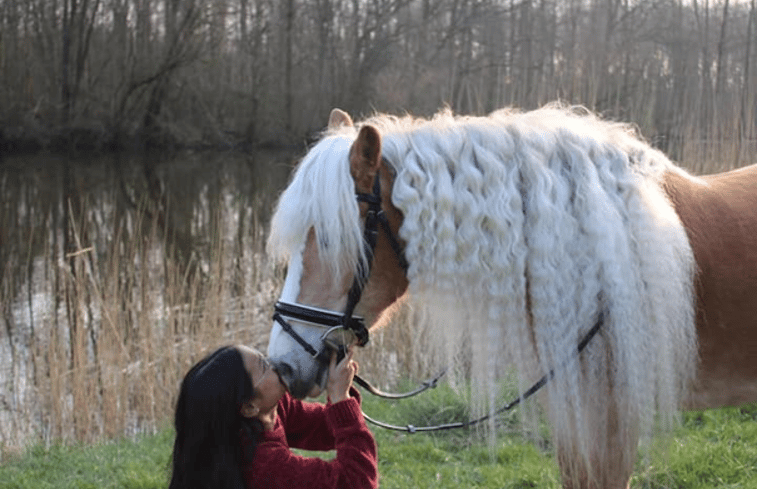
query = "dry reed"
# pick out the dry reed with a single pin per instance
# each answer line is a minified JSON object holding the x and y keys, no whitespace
{"x":106,"y":357}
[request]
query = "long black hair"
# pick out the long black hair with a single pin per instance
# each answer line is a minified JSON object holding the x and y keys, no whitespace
{"x":207,"y":452}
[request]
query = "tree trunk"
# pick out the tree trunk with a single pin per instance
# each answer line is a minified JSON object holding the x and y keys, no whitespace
{"x":69,"y":8}
{"x":288,"y":61}
{"x":720,"y":73}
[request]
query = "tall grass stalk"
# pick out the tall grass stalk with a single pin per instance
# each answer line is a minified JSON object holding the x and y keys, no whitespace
{"x":129,"y":320}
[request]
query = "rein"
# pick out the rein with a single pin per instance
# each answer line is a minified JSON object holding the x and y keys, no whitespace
{"x":530,"y":392}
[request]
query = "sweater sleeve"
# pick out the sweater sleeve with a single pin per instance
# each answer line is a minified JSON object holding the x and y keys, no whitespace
{"x":355,"y":465}
{"x":306,"y":426}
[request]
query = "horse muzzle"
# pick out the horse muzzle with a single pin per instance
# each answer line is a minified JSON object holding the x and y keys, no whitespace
{"x":301,"y":380}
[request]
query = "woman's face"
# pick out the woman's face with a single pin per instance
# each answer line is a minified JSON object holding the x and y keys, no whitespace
{"x":266,"y":384}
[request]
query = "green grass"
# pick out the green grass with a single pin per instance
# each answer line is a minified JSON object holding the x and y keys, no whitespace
{"x":454,"y":459}
{"x":712,"y":449}
{"x":127,"y":464}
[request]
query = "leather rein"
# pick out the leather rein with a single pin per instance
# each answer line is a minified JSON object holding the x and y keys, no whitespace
{"x":333,"y":321}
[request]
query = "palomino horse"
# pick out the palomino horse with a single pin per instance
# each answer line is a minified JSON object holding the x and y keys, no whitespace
{"x":519,"y":233}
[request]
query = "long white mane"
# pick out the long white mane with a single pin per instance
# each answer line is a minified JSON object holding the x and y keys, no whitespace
{"x":520,"y":229}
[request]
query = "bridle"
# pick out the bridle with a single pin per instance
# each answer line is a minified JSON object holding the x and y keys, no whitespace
{"x":333,"y":321}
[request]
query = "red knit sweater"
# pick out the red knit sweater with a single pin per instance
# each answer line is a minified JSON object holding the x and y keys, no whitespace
{"x":313,"y":426}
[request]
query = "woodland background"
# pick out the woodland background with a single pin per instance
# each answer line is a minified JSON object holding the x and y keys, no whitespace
{"x":119,"y":74}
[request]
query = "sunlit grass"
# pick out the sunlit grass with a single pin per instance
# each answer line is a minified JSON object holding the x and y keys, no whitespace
{"x":715,"y":448}
{"x":711,"y":449}
{"x":130,"y":464}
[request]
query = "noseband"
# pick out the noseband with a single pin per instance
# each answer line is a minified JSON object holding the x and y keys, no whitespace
{"x":333,"y":321}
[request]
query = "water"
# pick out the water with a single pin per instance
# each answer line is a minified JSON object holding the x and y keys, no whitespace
{"x":106,"y":260}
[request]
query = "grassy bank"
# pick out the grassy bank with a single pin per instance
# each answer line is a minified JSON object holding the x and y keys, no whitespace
{"x":711,"y":449}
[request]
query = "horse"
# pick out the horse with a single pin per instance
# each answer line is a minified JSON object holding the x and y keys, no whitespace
{"x":518,"y":233}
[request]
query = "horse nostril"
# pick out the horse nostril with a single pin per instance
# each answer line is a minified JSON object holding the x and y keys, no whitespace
{"x":298,"y":389}
{"x":285,"y":372}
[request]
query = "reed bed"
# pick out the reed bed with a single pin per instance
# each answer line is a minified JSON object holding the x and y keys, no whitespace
{"x":119,"y":327}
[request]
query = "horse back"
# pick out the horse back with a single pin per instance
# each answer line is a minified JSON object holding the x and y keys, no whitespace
{"x":719,"y":213}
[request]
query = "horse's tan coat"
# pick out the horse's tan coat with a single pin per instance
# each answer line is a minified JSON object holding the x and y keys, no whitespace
{"x":719,"y":213}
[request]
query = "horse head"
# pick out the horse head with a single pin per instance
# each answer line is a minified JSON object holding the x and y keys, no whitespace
{"x":341,"y":262}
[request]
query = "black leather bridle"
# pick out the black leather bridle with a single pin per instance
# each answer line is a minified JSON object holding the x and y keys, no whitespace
{"x":333,"y":321}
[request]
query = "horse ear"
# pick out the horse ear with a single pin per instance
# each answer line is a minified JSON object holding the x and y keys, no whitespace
{"x":365,"y":157}
{"x":338,"y":118}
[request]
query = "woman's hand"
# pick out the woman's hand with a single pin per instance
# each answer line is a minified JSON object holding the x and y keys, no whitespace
{"x":340,"y":377}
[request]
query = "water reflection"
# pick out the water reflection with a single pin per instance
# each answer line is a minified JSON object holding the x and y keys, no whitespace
{"x":118,"y":272}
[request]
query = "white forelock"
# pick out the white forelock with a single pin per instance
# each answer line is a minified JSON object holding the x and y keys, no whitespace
{"x":321,"y":195}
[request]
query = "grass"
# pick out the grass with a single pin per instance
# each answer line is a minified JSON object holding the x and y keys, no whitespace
{"x":129,"y":464}
{"x":711,"y":449}
{"x":715,"y":448}
{"x":448,"y":461}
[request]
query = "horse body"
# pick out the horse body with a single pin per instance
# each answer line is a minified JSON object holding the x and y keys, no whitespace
{"x":520,"y":231}
{"x":719,"y":213}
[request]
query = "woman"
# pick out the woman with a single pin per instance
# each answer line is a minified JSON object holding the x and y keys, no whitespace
{"x":235,"y":424}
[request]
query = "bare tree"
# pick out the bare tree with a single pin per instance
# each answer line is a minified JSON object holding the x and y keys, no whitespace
{"x":271,"y":70}
{"x":77,"y":26}
{"x":721,"y":60}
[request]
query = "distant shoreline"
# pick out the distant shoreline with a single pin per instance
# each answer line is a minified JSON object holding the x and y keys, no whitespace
{"x":99,"y":138}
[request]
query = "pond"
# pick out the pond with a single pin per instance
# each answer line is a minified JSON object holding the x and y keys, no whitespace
{"x":118,"y":271}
